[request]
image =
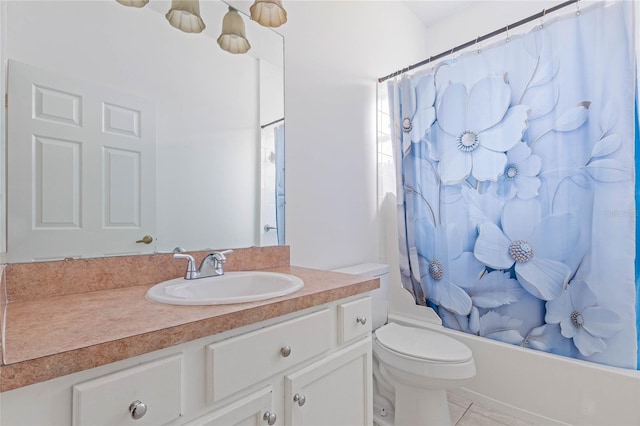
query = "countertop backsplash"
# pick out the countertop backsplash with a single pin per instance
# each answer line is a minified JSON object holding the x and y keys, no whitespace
{"x":38,"y":280}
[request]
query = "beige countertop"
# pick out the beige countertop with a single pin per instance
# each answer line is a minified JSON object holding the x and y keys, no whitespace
{"x":51,"y":337}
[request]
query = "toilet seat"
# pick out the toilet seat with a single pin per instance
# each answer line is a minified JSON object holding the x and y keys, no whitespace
{"x":422,"y":344}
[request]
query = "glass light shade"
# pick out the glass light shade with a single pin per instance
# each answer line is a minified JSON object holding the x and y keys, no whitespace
{"x":133,"y":3}
{"x":268,"y":13}
{"x":234,"y":37}
{"x":185,"y":16}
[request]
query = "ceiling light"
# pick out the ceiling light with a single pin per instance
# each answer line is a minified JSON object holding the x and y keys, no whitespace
{"x":133,"y":3}
{"x":233,"y":38}
{"x":185,"y":15}
{"x":268,"y":13}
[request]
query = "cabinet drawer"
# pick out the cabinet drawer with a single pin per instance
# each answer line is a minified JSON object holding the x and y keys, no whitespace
{"x":106,"y":400}
{"x":241,"y":361}
{"x":354,"y":319}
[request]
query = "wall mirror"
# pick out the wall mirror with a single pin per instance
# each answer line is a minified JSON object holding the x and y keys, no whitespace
{"x":122,"y":127}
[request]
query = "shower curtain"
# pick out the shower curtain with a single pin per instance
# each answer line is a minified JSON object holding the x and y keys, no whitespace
{"x":516,"y":174}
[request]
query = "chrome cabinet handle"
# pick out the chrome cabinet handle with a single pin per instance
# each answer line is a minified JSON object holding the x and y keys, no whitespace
{"x":361,"y":320}
{"x":269,"y":417}
{"x":285,"y":351}
{"x":300,"y":399}
{"x":137,"y":409}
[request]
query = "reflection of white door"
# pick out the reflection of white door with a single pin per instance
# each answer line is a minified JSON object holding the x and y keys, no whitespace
{"x":81,"y":168}
{"x":268,"y":225}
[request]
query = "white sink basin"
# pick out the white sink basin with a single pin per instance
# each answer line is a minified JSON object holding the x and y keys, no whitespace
{"x":232,"y":287}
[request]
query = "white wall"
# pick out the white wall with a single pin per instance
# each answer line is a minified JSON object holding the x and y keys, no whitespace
{"x":483,"y":17}
{"x":334,"y":52}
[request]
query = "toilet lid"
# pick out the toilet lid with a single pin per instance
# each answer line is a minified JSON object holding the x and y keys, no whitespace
{"x":422,"y":343}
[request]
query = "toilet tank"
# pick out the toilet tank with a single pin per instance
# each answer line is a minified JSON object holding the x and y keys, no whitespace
{"x":379,"y":297}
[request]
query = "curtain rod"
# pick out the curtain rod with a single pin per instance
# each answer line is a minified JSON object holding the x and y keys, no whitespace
{"x":479,"y":39}
{"x":273,"y":122}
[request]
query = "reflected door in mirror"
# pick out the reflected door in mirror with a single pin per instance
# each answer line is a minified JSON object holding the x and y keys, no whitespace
{"x":81,"y":162}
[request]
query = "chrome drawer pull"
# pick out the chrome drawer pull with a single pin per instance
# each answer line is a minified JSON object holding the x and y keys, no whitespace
{"x":300,"y":399}
{"x":285,"y":351}
{"x":362,"y":320}
{"x":137,"y":409}
{"x":269,"y":417}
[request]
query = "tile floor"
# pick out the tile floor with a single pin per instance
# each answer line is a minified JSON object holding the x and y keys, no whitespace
{"x":467,"y":413}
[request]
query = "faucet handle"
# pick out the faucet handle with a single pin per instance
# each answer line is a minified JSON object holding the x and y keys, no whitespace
{"x":218,"y":259}
{"x":192,"y":272}
{"x":220,"y":255}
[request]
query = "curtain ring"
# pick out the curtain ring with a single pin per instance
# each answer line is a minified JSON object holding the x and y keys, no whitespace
{"x":479,"y":47}
{"x":508,"y":39}
{"x":577,"y":7}
{"x":433,"y":67}
{"x":544,"y":12}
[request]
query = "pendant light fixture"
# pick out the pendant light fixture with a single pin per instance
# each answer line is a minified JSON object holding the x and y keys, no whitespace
{"x":133,"y":3}
{"x":185,"y":16}
{"x":233,"y":38}
{"x":268,"y":13}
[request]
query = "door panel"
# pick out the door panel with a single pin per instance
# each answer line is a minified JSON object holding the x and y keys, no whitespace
{"x":122,"y":188}
{"x":56,"y":183}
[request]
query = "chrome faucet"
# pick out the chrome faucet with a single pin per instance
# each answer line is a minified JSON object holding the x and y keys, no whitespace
{"x":211,"y":265}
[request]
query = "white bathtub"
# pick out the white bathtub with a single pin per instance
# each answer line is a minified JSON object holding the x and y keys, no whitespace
{"x":542,"y":388}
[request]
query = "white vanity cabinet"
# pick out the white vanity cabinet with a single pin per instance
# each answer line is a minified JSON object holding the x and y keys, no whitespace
{"x":312,"y":367}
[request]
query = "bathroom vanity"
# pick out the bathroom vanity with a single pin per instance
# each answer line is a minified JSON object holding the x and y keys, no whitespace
{"x":299,"y":359}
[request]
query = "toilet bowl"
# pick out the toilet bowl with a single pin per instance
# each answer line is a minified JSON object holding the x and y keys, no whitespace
{"x":412,"y":367}
{"x":420,"y":365}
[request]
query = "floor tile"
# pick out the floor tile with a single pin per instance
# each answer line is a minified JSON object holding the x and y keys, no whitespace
{"x":472,"y":418}
{"x":497,"y":415}
{"x":458,"y":400}
{"x":456,"y":412}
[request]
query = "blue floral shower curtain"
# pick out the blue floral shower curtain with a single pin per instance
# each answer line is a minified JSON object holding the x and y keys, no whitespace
{"x":516,"y":187}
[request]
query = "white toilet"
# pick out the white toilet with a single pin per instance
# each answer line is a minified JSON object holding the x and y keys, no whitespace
{"x":412,"y":367}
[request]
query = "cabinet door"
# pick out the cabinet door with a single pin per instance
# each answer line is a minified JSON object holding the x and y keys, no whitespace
{"x":246,"y":411}
{"x":335,"y":391}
